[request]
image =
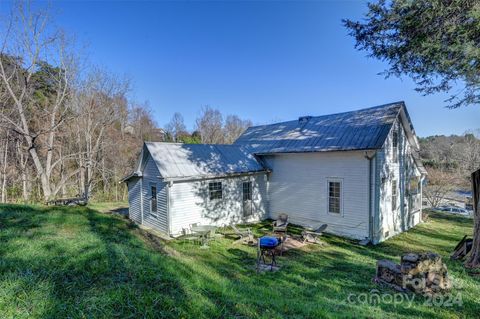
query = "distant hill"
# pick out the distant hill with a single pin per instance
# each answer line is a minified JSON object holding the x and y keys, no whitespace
{"x":459,"y":155}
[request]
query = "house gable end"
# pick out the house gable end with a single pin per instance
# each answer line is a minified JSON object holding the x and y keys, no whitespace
{"x":148,"y":166}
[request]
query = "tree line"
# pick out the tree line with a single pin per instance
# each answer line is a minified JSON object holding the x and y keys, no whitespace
{"x":449,"y":160}
{"x":211,"y":127}
{"x":68,"y":129}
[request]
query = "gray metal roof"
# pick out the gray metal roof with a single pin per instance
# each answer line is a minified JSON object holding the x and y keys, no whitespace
{"x":179,"y":161}
{"x":356,"y":130}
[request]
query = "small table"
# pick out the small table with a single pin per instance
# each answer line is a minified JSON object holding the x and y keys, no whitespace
{"x":203,"y":232}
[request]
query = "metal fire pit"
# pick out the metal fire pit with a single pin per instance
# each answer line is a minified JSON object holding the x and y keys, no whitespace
{"x":266,"y":247}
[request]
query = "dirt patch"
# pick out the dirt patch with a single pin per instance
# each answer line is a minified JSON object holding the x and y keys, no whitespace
{"x":156,"y":243}
{"x":292,"y":243}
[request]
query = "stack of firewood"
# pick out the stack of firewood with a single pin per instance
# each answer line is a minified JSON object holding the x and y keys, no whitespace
{"x":420,"y":273}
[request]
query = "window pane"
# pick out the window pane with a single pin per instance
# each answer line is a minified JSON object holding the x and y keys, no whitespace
{"x":154,"y":199}
{"x":394,"y":194}
{"x":414,"y":185}
{"x":395,"y":146}
{"x":215,"y":190}
{"x":247,"y":190}
{"x":334,"y":189}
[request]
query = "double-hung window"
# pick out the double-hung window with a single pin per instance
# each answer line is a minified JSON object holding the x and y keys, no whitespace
{"x":247,"y":198}
{"x":215,"y":190}
{"x":335,"y":196}
{"x":153,"y":200}
{"x":247,"y":191}
{"x":394,"y":195}
{"x":395,"y":146}
{"x":414,"y":186}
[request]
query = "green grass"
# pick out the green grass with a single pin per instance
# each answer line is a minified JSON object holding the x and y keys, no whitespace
{"x":107,"y":206}
{"x":79,"y":263}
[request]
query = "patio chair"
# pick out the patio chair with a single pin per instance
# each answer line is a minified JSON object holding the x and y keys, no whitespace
{"x":280,"y":225}
{"x":212,"y":235}
{"x":245,"y":235}
{"x":189,"y":236}
{"x":312,"y":236}
{"x":220,"y":232}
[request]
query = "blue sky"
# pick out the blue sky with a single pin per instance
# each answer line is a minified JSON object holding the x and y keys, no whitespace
{"x":266,"y":61}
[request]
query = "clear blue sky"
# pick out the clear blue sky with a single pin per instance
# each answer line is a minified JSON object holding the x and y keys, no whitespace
{"x":265,"y":61}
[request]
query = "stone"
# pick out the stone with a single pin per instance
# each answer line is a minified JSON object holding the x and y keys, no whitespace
{"x":410,"y":258}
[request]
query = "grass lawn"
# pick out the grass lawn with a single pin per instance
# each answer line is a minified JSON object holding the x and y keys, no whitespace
{"x":79,"y":263}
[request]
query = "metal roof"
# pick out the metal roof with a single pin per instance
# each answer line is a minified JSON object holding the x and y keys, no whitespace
{"x":180,"y":161}
{"x":364,"y":129}
{"x":130,"y":176}
{"x":357,"y":130}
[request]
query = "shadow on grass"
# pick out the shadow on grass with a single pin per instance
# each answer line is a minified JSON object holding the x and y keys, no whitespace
{"x":104,"y":270}
{"x":458,"y":220}
{"x":84,"y":264}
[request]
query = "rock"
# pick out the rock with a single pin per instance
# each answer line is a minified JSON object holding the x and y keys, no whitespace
{"x":388,"y":264}
{"x":410,"y":258}
{"x":389,"y":272}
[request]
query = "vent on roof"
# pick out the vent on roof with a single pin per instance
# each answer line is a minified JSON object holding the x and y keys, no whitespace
{"x":304,"y":119}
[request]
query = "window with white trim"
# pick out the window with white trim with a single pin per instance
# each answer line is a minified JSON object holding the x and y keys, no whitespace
{"x":247,"y":190}
{"x":414,"y":185}
{"x":215,"y":190}
{"x":153,"y":200}
{"x":334,"y":196}
{"x":394,"y":194}
{"x":395,"y":146}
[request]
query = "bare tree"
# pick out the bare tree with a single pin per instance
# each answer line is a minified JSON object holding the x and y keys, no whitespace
{"x":57,"y":124}
{"x":36,"y":72}
{"x":468,"y":153}
{"x":210,"y":126}
{"x":24,"y":169}
{"x":142,"y":124}
{"x":4,"y":168}
{"x":234,"y":127}
{"x":176,"y":127}
{"x":439,"y":184}
{"x":97,"y":106}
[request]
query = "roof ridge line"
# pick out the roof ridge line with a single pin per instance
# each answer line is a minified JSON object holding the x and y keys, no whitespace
{"x":332,"y":114}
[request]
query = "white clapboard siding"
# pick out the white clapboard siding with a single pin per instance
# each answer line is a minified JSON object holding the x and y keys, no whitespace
{"x":151,"y":177}
{"x":134,"y":200}
{"x":408,"y":212}
{"x":298,"y":187}
{"x":189,"y":203}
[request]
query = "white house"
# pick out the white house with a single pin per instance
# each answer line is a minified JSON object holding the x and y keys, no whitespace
{"x":176,"y":185}
{"x":357,"y":171}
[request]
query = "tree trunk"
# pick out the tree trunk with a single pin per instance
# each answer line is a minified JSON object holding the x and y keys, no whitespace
{"x":24,"y":186}
{"x":4,"y":172}
{"x":116,"y":183}
{"x":82,"y":175}
{"x":24,"y":172}
{"x":104,"y":176}
{"x":81,"y":163}
{"x":63,"y":188}
{"x":474,"y":259}
{"x":41,"y":173}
